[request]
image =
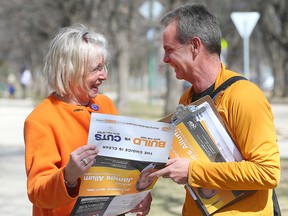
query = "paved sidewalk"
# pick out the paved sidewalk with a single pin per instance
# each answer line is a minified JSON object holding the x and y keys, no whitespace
{"x":13,"y":199}
{"x":280,"y":112}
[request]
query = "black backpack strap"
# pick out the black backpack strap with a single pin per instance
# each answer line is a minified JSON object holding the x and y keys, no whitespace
{"x":225,"y":85}
{"x":276,"y":206}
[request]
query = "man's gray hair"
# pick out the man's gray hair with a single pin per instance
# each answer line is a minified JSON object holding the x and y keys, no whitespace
{"x":194,"y":20}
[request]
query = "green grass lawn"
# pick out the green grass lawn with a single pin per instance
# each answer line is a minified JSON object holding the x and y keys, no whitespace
{"x":142,"y":110}
{"x":168,"y":197}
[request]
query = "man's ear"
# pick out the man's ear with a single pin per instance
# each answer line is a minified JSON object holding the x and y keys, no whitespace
{"x":195,"y":44}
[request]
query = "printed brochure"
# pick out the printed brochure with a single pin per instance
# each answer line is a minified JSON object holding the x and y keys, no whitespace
{"x":129,"y":150}
{"x":200,"y":135}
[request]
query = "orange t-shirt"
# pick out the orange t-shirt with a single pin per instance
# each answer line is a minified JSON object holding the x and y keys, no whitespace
{"x":248,"y":118}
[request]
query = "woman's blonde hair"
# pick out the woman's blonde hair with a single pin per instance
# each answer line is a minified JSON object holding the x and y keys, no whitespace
{"x":69,"y":55}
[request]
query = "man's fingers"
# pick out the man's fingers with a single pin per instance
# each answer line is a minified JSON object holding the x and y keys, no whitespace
{"x":171,"y":161}
{"x":158,"y":173}
{"x":163,"y":172}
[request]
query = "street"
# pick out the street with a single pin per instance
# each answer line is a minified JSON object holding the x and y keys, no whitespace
{"x":13,"y":199}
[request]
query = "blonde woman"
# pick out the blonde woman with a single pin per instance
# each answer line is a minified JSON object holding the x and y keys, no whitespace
{"x":56,"y":154}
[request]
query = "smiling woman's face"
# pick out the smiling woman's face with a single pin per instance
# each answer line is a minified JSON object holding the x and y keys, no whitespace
{"x":94,"y":75}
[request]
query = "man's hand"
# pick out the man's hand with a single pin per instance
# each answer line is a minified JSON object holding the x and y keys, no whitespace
{"x":143,"y":208}
{"x":176,"y":169}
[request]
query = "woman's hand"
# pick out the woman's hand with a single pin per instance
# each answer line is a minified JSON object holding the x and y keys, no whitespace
{"x":80,"y":161}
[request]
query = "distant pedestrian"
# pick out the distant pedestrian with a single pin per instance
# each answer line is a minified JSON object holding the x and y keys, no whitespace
{"x":25,"y":80}
{"x":11,"y":90}
{"x":11,"y":82}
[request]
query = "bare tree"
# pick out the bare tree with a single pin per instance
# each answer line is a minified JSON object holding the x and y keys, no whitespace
{"x":119,"y":27}
{"x":274,"y":25}
{"x":30,"y":24}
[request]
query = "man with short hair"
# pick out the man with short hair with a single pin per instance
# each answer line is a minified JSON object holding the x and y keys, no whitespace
{"x":192,"y":45}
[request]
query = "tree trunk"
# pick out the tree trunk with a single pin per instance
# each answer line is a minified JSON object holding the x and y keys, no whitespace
{"x":173,"y":93}
{"x":124,"y":68}
{"x":274,"y":25}
{"x":279,"y":74}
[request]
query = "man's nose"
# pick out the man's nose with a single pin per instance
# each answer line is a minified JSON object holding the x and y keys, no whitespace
{"x":166,"y":59}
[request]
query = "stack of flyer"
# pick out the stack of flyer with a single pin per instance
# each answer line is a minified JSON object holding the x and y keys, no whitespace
{"x":200,"y":135}
{"x":129,"y":150}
